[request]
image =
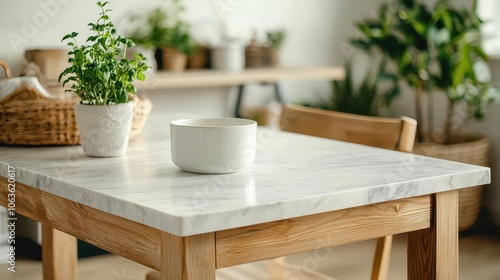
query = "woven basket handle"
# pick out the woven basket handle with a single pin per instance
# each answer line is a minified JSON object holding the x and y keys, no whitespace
{"x":6,"y":69}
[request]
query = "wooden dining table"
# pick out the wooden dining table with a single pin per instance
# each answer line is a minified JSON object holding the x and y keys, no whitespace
{"x":302,"y":193}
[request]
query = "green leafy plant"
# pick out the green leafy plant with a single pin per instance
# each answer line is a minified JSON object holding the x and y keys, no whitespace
{"x":436,"y":49}
{"x":155,"y":32}
{"x":179,"y":37}
{"x":165,"y":30}
{"x":99,"y":73}
{"x":363,"y":99}
{"x":276,"y":38}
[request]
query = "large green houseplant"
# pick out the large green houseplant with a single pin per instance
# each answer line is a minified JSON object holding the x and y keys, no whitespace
{"x":362,"y":99}
{"x":438,"y":50}
{"x":101,"y":75}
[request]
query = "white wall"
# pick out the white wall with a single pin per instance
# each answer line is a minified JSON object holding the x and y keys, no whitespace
{"x":316,"y":28}
{"x":318,"y":33}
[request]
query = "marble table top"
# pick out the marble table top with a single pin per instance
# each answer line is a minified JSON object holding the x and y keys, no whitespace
{"x":293,"y":175}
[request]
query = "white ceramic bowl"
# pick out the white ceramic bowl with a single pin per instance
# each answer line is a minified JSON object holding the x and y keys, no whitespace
{"x":222,"y":145}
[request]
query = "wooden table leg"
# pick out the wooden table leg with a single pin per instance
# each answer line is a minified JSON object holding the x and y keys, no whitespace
{"x":59,"y":255}
{"x":433,"y":252}
{"x":188,"y":258}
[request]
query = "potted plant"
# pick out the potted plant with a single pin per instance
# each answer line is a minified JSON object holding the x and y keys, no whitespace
{"x":438,"y":50}
{"x":168,"y":34}
{"x":199,"y":57}
{"x":275,"y":40}
{"x":177,"y":46}
{"x":150,"y":34}
{"x":177,"y":43}
{"x":101,"y":75}
{"x":363,"y":99}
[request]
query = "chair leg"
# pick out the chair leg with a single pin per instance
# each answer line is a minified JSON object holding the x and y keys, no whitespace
{"x":153,"y":275}
{"x":277,"y":268}
{"x":380,"y":269}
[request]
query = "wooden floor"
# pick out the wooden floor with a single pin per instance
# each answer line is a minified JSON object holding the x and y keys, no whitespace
{"x":479,"y":260}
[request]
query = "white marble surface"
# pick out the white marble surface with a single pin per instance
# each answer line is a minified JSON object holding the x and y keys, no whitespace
{"x":293,"y":175}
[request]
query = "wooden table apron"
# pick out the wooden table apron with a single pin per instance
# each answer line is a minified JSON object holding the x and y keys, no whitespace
{"x":432,"y":221}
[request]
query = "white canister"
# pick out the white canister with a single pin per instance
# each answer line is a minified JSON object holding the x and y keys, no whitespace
{"x":228,"y":58}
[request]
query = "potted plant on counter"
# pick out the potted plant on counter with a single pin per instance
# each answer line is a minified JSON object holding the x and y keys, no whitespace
{"x":101,"y":75}
{"x":438,"y":50}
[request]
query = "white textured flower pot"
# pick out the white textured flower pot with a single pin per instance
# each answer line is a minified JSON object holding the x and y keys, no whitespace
{"x":104,"y":129}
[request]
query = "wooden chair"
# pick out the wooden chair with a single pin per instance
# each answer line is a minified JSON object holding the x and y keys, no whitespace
{"x":389,"y":133}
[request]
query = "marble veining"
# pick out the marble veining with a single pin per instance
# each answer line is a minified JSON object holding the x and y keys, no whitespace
{"x":293,"y":175}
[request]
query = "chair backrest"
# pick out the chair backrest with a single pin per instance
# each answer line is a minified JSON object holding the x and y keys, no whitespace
{"x":389,"y":133}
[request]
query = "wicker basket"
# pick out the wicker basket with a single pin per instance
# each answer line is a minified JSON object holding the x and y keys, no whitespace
{"x":27,"y":117}
{"x":43,"y":121}
{"x":470,"y":149}
{"x":142,"y":108}
{"x":6,"y":68}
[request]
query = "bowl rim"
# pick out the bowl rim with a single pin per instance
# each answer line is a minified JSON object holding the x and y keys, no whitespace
{"x":190,"y":122}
